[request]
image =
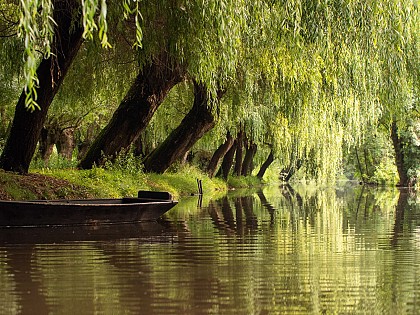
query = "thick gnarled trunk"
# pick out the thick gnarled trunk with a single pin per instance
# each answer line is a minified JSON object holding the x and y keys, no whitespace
{"x":136,"y":110}
{"x":26,"y":127}
{"x":399,"y":156}
{"x":219,"y":155}
{"x":239,"y":153}
{"x":195,"y":124}
{"x":227,"y":162}
{"x":251,"y":150}
{"x":265,"y":165}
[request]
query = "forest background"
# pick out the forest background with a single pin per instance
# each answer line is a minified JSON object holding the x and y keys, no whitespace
{"x":117,"y":90}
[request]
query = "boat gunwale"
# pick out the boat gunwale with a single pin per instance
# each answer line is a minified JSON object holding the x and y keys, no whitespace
{"x":109,"y":202}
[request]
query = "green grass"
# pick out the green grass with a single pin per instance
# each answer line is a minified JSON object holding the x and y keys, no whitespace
{"x":124,"y":177}
{"x":114,"y":183}
{"x":18,"y":192}
{"x":243,"y":181}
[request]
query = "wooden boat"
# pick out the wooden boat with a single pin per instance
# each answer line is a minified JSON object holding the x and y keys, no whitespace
{"x":148,"y":206}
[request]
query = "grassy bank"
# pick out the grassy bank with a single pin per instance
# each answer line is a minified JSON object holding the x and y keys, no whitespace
{"x":103,"y":183}
{"x":114,"y":183}
{"x":59,"y":178}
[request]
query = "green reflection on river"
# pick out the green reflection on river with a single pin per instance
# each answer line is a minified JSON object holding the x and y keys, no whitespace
{"x":279,"y":250}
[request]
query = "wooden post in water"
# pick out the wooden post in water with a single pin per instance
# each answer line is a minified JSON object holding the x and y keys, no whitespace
{"x":200,"y":186}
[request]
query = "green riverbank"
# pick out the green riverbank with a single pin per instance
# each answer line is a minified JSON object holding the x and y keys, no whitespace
{"x":111,"y":183}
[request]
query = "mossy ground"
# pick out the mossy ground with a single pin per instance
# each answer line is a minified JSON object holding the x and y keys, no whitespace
{"x":37,"y":186}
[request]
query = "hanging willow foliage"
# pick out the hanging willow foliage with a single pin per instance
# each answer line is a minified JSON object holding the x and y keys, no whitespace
{"x":305,"y":76}
{"x":36,"y":36}
{"x":36,"y":28}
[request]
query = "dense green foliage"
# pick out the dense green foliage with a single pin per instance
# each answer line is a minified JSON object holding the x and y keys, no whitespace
{"x":311,"y":80}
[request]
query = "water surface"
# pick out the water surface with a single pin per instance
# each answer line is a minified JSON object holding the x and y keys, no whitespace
{"x":275,"y":251}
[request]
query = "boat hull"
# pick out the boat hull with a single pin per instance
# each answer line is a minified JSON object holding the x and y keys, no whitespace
{"x":81,"y":212}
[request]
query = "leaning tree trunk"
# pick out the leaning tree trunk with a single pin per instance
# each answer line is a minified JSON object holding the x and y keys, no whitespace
{"x":219,"y":154}
{"x":195,"y":124}
{"x":251,"y":149}
{"x":135,"y":111}
{"x":399,"y":156}
{"x":287,"y":173}
{"x":265,"y":165}
{"x":239,"y":153}
{"x":228,"y":161}
{"x":26,"y":127}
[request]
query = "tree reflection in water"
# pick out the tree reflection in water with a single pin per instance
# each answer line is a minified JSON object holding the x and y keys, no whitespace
{"x":278,"y":250}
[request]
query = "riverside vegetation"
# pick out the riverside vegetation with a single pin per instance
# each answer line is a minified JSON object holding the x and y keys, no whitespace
{"x":320,"y":88}
{"x":123,"y":177}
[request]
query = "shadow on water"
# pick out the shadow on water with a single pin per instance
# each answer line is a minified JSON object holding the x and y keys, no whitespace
{"x":297,"y":251}
{"x":159,"y":231}
{"x":112,"y":244}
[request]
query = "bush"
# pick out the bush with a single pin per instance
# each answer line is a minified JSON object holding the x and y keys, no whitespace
{"x":385,"y":174}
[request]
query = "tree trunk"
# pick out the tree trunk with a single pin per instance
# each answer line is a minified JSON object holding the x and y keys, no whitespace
{"x":66,"y":143}
{"x":362,"y":178}
{"x":84,"y":145}
{"x":26,"y":127}
{"x":265,"y":165}
{"x":249,"y":157}
{"x":195,"y":124}
{"x":291,"y":170}
{"x":239,"y":153}
{"x":135,"y":111}
{"x":399,"y":155}
{"x":46,"y":144}
{"x":228,"y":161}
{"x":3,"y":122}
{"x":219,"y":154}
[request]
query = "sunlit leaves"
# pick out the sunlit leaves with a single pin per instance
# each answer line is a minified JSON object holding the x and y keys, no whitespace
{"x":37,"y":31}
{"x":131,"y":7}
{"x":35,"y":37}
{"x":327,"y":68}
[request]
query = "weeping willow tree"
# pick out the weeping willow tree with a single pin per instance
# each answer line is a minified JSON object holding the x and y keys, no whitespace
{"x":42,"y":82}
{"x":52,"y":32}
{"x":301,"y":76}
{"x":195,"y":40}
{"x":400,"y":82}
{"x":318,"y":85}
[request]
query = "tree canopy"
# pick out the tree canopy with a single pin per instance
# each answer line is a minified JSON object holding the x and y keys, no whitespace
{"x":307,"y":78}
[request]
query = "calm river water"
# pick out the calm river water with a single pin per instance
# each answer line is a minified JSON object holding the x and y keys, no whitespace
{"x":280,"y":250}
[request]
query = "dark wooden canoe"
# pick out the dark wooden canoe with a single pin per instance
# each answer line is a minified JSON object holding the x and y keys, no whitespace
{"x":148,"y":206}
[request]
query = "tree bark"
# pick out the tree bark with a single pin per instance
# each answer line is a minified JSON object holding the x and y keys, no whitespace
{"x":239,"y":153}
{"x":26,"y":127}
{"x":3,"y":122}
{"x":251,"y":149}
{"x":46,"y":144}
{"x":66,"y":143}
{"x":195,"y":124}
{"x":146,"y":94}
{"x":219,"y":154}
{"x":265,"y":165}
{"x":228,"y":161}
{"x":399,"y":155}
